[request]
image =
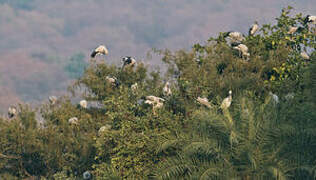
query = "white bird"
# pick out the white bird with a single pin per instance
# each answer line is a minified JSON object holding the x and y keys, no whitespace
{"x":155,"y":102}
{"x":310,"y":19}
{"x":104,"y":128}
{"x":128,"y":62}
{"x":243,"y":50}
{"x":227,"y":101}
{"x":111,"y":80}
{"x":83,"y":104}
{"x":304,"y":55}
{"x":204,"y":101}
{"x":154,"y":99}
{"x":52,"y":100}
{"x":274,"y":97}
{"x":99,"y":50}
{"x":12,"y":111}
{"x":134,"y":87}
{"x":73,"y":120}
{"x":236,"y":36}
{"x":167,"y":90}
{"x":254,"y":28}
{"x":292,"y":30}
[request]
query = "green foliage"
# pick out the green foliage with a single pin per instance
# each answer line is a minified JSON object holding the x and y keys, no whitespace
{"x":255,"y":138}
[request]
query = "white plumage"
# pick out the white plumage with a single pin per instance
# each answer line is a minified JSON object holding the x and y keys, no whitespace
{"x":227,"y":101}
{"x":167,"y":90}
{"x":73,"y":120}
{"x":104,"y":128}
{"x":304,"y":55}
{"x":128,"y":62}
{"x":111,"y":80}
{"x":52,"y":100}
{"x":99,"y":50}
{"x":83,"y":104}
{"x":236,"y":36}
{"x":254,"y":28}
{"x":155,"y":102}
{"x":204,"y":101}
{"x":243,"y":50}
{"x":292,"y":30}
{"x":12,"y":111}
{"x":274,"y":97}
{"x":310,"y":19}
{"x":134,"y":87}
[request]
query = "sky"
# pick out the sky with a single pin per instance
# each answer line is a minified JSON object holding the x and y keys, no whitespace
{"x":39,"y":37}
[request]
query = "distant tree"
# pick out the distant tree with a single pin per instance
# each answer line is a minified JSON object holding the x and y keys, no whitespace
{"x":76,"y":66}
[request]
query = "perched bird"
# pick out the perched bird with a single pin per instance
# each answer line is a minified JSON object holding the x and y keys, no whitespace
{"x":254,"y":28}
{"x":12,"y":111}
{"x":99,"y":50}
{"x":155,"y":102}
{"x":52,"y":100}
{"x":310,"y":19}
{"x":83,"y":104}
{"x":104,"y":128}
{"x":235,"y":36}
{"x":292,"y":30}
{"x":154,"y":99}
{"x":128,"y":62}
{"x":304,"y":55}
{"x":274,"y":97}
{"x":134,"y":87}
{"x":243,"y":51}
{"x":227,"y":101}
{"x":73,"y":120}
{"x":112,"y":80}
{"x":86,"y":175}
{"x":204,"y":101}
{"x":167,"y":90}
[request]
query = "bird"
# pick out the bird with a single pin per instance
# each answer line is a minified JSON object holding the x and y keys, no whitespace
{"x":104,"y":128}
{"x":12,"y":111}
{"x":134,"y":87}
{"x":235,"y":36}
{"x":52,"y":100}
{"x":167,"y":90}
{"x":86,"y":175}
{"x":112,"y":80}
{"x":154,"y":99}
{"x":99,"y":50}
{"x":304,"y":55}
{"x":204,"y":101}
{"x":73,"y":120}
{"x":310,"y":19}
{"x":254,"y":28}
{"x":292,"y":30}
{"x":227,"y":101}
{"x":274,"y":97}
{"x":155,"y":102}
{"x":128,"y":62}
{"x":83,"y":104}
{"x":243,"y":51}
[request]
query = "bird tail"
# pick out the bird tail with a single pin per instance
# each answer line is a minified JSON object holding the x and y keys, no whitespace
{"x":93,"y":54}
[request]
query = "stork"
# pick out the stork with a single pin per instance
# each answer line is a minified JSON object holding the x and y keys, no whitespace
{"x":99,"y":50}
{"x":73,"y":120}
{"x":167,"y":90}
{"x":204,"y":101}
{"x":243,"y":51}
{"x":235,"y":36}
{"x":155,"y":102}
{"x":112,"y":80}
{"x":310,"y":19}
{"x":128,"y":62}
{"x":52,"y":100}
{"x":274,"y":97}
{"x":12,"y":111}
{"x":104,"y":128}
{"x":304,"y":55}
{"x":292,"y":30}
{"x":254,"y":28}
{"x":134,"y":87}
{"x":83,"y":104}
{"x":227,"y":101}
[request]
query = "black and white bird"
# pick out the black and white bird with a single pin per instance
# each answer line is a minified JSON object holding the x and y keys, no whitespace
{"x":235,"y":36}
{"x":254,"y":28}
{"x":204,"y":101}
{"x":310,"y":19}
{"x":128,"y":62}
{"x":12,"y":111}
{"x":167,"y":90}
{"x":227,"y":101}
{"x":99,"y":50}
{"x":83,"y":104}
{"x":243,"y":51}
{"x":52,"y":100}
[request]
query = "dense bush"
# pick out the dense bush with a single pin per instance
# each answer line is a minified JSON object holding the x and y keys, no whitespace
{"x":257,"y":137}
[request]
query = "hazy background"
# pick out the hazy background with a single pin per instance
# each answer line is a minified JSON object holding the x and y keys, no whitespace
{"x":45,"y":44}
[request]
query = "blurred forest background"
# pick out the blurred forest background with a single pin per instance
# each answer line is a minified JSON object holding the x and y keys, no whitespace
{"x":45,"y":44}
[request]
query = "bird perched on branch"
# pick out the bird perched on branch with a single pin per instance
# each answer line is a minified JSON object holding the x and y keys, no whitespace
{"x":204,"y":101}
{"x":128,"y":62}
{"x":52,"y":100}
{"x":304,"y":55}
{"x":243,"y":51}
{"x":12,"y":111}
{"x":167,"y":90}
{"x":254,"y":28}
{"x":274,"y":97}
{"x":73,"y":120}
{"x":310,"y":19}
{"x":99,"y":50}
{"x":227,"y":101}
{"x":112,"y":80}
{"x":235,"y":36}
{"x":155,"y":102}
{"x":83,"y":104}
